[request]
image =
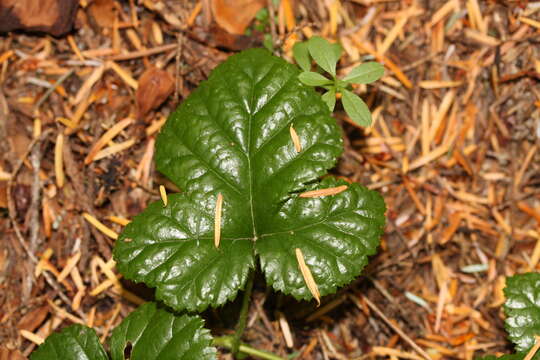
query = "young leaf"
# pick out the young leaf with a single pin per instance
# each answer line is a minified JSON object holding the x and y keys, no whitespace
{"x":152,"y":333}
{"x":356,"y":108}
{"x":329,"y":98}
{"x":75,"y":342}
{"x":232,"y":137}
{"x":325,"y":54}
{"x":313,"y":79}
{"x":522,"y":308}
{"x":301,"y":55}
{"x":365,"y":73}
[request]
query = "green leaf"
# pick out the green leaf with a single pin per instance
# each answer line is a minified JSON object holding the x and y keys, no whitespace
{"x":76,"y":342}
{"x":329,"y":98}
{"x":313,"y":79}
{"x":325,"y":54}
{"x":151,"y":333}
{"x":335,"y":233}
{"x":522,"y":308}
{"x":365,"y":73}
{"x":356,"y":108}
{"x":232,"y":136}
{"x":301,"y":55}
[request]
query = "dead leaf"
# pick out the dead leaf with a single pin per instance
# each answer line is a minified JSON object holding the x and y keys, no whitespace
{"x":155,"y":85}
{"x":103,"y":12}
{"x":235,"y":15}
{"x":33,"y":319}
{"x":54,"y":17}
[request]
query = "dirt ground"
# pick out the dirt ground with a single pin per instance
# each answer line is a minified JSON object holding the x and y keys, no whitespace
{"x":453,"y":151}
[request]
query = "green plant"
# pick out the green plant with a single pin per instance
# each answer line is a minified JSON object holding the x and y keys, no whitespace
{"x":248,"y":148}
{"x":326,"y":56}
{"x":522,"y":309}
{"x":147,"y":333}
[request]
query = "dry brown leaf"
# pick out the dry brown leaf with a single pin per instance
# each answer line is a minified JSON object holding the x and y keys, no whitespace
{"x":103,"y":12}
{"x":155,"y":85}
{"x":55,"y":17}
{"x":235,"y":15}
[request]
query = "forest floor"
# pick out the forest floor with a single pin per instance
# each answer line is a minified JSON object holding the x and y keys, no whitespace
{"x":454,"y":150}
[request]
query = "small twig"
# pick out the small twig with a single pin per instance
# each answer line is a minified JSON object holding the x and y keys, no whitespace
{"x":394,"y":327}
{"x":146,"y":52}
{"x":50,"y":90}
{"x":12,"y":217}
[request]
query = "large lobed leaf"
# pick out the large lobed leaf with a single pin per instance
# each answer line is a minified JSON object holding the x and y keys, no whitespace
{"x":76,"y":342}
{"x":522,"y":308}
{"x":232,"y":137}
{"x":151,"y":333}
{"x":148,"y":333}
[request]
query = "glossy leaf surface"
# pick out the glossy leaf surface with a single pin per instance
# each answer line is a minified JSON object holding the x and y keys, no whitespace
{"x":232,"y":137}
{"x":522,"y":308}
{"x":76,"y":342}
{"x":151,"y":333}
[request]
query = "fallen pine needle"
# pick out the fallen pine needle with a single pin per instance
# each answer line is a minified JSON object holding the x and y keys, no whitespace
{"x":534,"y":349}
{"x":217,"y":220}
{"x":324,"y":192}
{"x":100,"y":226}
{"x":36,"y":339}
{"x":295,"y":139}
{"x":59,"y":160}
{"x":308,"y":277}
{"x":394,"y":327}
{"x":108,"y":136}
{"x":70,"y":264}
{"x":163,"y":194}
{"x":118,"y":220}
{"x":286,"y":330}
{"x":113,"y":149}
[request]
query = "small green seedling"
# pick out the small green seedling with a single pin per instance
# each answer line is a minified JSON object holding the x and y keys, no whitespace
{"x":250,"y":149}
{"x":326,"y":56}
{"x":522,"y":309}
{"x":148,"y":333}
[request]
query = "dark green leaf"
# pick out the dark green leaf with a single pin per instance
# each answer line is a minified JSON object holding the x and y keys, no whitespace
{"x":335,"y":233}
{"x":325,"y":54}
{"x":365,"y":73}
{"x":301,"y":55}
{"x":150,"y":333}
{"x":356,"y":108}
{"x":232,"y":137}
{"x":329,"y":98}
{"x":75,"y":342}
{"x":522,"y":308}
{"x":313,"y":79}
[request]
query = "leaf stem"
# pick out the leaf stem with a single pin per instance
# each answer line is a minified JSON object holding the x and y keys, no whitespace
{"x":227,"y":342}
{"x":241,"y":325}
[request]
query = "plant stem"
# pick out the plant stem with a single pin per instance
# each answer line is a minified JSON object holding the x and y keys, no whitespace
{"x":241,"y":325}
{"x":227,"y":342}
